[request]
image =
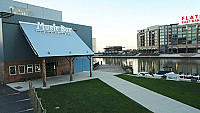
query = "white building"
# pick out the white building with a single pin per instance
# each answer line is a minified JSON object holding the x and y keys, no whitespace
{"x":94,"y":45}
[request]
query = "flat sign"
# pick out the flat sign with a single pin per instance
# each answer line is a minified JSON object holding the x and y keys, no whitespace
{"x":190,"y":19}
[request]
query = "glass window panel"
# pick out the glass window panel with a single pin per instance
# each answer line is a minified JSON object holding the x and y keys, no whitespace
{"x":161,"y":36}
{"x":179,"y":29}
{"x":37,"y":67}
{"x":30,"y":68}
{"x":194,"y":35}
{"x":21,"y":69}
{"x":12,"y":70}
{"x":194,"y":31}
{"x":179,"y":35}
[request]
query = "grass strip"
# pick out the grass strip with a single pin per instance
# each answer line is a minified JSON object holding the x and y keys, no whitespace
{"x":186,"y":92}
{"x":89,"y":96}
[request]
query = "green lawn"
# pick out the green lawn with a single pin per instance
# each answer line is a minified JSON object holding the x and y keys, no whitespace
{"x":186,"y":92}
{"x":87,"y":96}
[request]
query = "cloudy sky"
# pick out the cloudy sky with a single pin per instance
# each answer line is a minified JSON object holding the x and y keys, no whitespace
{"x":115,"y":22}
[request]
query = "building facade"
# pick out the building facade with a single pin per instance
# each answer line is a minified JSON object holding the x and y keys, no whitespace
{"x":26,"y":9}
{"x":113,"y":50}
{"x":173,"y":38}
{"x":32,"y":46}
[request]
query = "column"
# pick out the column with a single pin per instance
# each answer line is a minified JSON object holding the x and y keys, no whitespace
{"x":71,"y":68}
{"x":44,"y":73}
{"x":90,"y":66}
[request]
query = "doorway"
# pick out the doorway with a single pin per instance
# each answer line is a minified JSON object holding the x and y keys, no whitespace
{"x":51,"y":69}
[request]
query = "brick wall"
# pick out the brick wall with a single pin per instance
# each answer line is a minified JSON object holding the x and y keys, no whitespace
{"x":15,"y":78}
{"x":1,"y":72}
{"x":62,"y":64}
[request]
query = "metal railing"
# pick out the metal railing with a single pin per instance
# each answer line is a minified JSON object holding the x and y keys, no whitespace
{"x":95,"y":65}
{"x":36,"y":102}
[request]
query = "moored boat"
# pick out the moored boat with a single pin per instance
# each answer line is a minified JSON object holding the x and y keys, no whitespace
{"x":172,"y":75}
{"x":188,"y":75}
{"x":196,"y":76}
{"x":144,"y":74}
{"x":161,"y":73}
{"x":181,"y":75}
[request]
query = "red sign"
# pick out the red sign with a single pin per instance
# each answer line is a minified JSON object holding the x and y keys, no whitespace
{"x":190,"y":19}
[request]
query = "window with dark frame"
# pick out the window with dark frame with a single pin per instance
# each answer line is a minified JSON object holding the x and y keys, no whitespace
{"x":30,"y":68}
{"x":37,"y":67}
{"x":12,"y":70}
{"x":21,"y":69}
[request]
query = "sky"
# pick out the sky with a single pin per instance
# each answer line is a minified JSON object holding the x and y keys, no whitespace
{"x":115,"y":22}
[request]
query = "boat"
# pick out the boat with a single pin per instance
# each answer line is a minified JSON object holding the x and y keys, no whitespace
{"x":146,"y":74}
{"x":188,"y":75}
{"x":181,"y":75}
{"x":196,"y":76}
{"x":161,"y":73}
{"x":172,"y":75}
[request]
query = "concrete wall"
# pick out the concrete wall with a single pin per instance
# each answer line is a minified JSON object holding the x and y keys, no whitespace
{"x":29,"y":10}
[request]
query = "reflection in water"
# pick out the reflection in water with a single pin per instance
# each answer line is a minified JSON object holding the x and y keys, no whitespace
{"x":155,"y":65}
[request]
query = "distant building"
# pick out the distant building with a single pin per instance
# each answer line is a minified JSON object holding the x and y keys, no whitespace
{"x":113,"y":50}
{"x":20,"y":8}
{"x":94,"y":45}
{"x":171,"y":38}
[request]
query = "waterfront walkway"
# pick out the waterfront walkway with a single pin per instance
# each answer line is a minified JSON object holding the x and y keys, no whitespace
{"x":149,"y":99}
{"x":153,"y":101}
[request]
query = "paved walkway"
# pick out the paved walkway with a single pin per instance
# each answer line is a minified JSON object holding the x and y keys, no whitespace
{"x":61,"y":79}
{"x":149,"y":99}
{"x":153,"y":101}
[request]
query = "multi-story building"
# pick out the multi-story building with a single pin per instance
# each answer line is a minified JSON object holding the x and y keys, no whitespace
{"x":173,"y":38}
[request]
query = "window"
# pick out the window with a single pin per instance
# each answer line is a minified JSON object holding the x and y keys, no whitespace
{"x":21,"y":69}
{"x":30,"y":68}
{"x":189,"y":28}
{"x":37,"y":67}
{"x":12,"y":70}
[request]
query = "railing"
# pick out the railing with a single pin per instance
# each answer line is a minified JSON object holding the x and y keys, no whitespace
{"x":125,"y":67}
{"x":188,"y":54}
{"x":36,"y":102}
{"x":95,"y":65}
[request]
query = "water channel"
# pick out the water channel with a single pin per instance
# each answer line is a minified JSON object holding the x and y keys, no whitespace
{"x":155,"y":64}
